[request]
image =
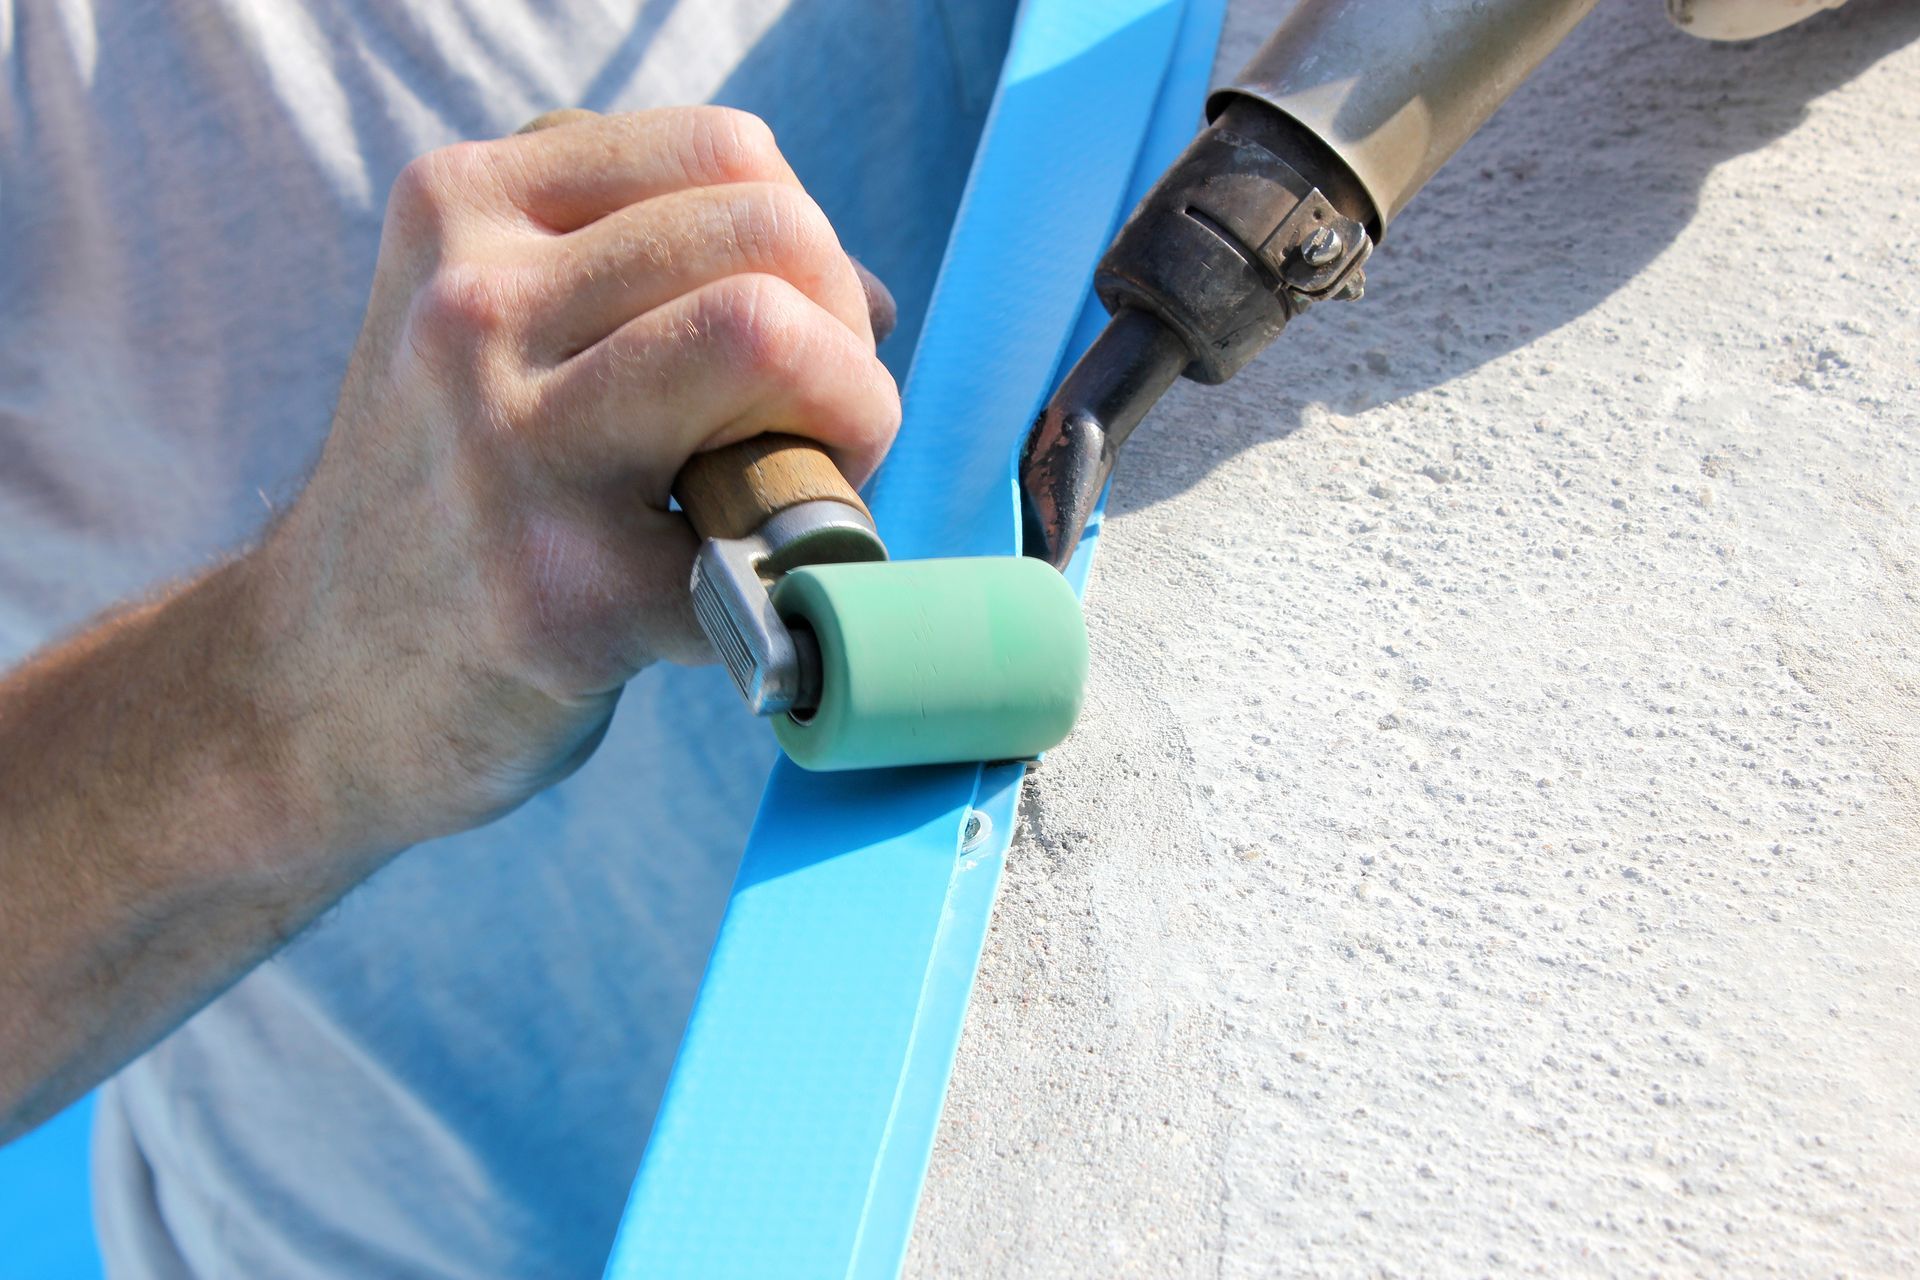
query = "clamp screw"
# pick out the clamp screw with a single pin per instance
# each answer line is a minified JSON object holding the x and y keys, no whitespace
{"x":975,"y":830}
{"x":1322,"y":247}
{"x":1354,"y":289}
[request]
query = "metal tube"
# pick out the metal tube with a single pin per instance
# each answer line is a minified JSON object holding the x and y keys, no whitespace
{"x":1394,"y":87}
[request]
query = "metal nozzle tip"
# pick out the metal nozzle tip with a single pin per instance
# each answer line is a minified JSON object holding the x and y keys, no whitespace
{"x":1064,"y":470}
{"x":1070,"y":451}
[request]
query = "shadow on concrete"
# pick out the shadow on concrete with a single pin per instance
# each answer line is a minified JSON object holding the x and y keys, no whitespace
{"x":1590,"y":172}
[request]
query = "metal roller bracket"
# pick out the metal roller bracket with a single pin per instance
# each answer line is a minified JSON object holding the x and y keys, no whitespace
{"x":775,"y":669}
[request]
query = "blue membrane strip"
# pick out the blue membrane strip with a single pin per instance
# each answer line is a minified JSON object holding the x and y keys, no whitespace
{"x":46,"y":1213}
{"x":795,"y":1131}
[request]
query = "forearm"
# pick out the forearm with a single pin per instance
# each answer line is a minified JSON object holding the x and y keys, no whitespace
{"x":442,"y":623}
{"x":164,"y":825}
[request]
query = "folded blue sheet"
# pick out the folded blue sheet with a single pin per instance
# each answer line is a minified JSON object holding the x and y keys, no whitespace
{"x":796,"y":1128}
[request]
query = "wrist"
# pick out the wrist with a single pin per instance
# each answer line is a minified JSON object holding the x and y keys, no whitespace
{"x":305,"y":785}
{"x":394,"y":719}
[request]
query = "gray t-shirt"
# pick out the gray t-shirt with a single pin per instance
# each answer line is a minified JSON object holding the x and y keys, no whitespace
{"x":453,"y":1073}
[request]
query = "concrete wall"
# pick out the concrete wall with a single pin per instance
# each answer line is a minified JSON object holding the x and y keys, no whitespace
{"x":1491,"y":846}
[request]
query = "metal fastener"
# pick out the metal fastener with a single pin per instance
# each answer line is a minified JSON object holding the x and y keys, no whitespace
{"x":1322,"y":247}
{"x":975,"y":830}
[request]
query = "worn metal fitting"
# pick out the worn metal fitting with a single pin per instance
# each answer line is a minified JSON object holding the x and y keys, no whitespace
{"x":1322,"y":247}
{"x":1232,"y":243}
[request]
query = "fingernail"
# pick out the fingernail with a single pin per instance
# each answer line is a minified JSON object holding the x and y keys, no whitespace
{"x":881,"y":308}
{"x":551,"y":119}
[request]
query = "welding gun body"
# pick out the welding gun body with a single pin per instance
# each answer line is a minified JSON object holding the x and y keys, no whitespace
{"x":1311,"y":151}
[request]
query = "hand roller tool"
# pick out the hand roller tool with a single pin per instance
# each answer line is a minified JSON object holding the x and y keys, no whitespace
{"x":861,"y":662}
{"x":1310,"y":151}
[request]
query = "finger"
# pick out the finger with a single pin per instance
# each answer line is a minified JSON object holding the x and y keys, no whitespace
{"x":566,"y":175}
{"x":733,"y":359}
{"x":883,"y":313}
{"x":650,"y":253}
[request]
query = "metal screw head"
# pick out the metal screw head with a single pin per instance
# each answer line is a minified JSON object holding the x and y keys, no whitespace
{"x":1354,"y":289}
{"x":975,"y":830}
{"x":1322,"y":247}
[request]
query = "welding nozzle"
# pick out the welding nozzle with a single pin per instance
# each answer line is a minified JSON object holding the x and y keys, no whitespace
{"x":1236,"y":239}
{"x":1070,"y":451}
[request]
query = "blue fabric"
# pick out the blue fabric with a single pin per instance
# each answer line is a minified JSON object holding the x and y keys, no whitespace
{"x":796,"y":1128}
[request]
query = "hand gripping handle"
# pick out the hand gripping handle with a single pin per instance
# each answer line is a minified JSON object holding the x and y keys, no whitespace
{"x":730,"y":492}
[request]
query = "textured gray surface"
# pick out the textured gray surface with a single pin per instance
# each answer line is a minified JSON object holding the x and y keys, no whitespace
{"x":1491,"y":845}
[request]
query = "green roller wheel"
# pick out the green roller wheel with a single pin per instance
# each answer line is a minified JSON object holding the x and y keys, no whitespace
{"x":935,"y":661}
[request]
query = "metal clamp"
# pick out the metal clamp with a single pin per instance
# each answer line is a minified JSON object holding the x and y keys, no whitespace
{"x":1230,"y":245}
{"x":776,"y":668}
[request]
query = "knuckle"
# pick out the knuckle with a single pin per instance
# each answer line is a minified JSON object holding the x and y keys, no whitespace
{"x":757,"y":325}
{"x":439,"y":179}
{"x":464,"y":304}
{"x":733,"y":146}
{"x":415,"y":188}
{"x":786,"y":226}
{"x":756,"y":225}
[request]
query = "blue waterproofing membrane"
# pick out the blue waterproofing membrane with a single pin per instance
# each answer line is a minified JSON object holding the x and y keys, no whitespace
{"x":46,"y":1218}
{"x":796,"y":1128}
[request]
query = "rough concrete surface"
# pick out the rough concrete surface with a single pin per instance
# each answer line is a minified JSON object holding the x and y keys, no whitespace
{"x":1491,"y":843}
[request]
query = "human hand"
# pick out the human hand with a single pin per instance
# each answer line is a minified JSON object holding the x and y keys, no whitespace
{"x":485,"y":553}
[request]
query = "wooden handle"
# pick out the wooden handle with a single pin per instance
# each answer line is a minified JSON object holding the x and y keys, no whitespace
{"x":730,"y":492}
